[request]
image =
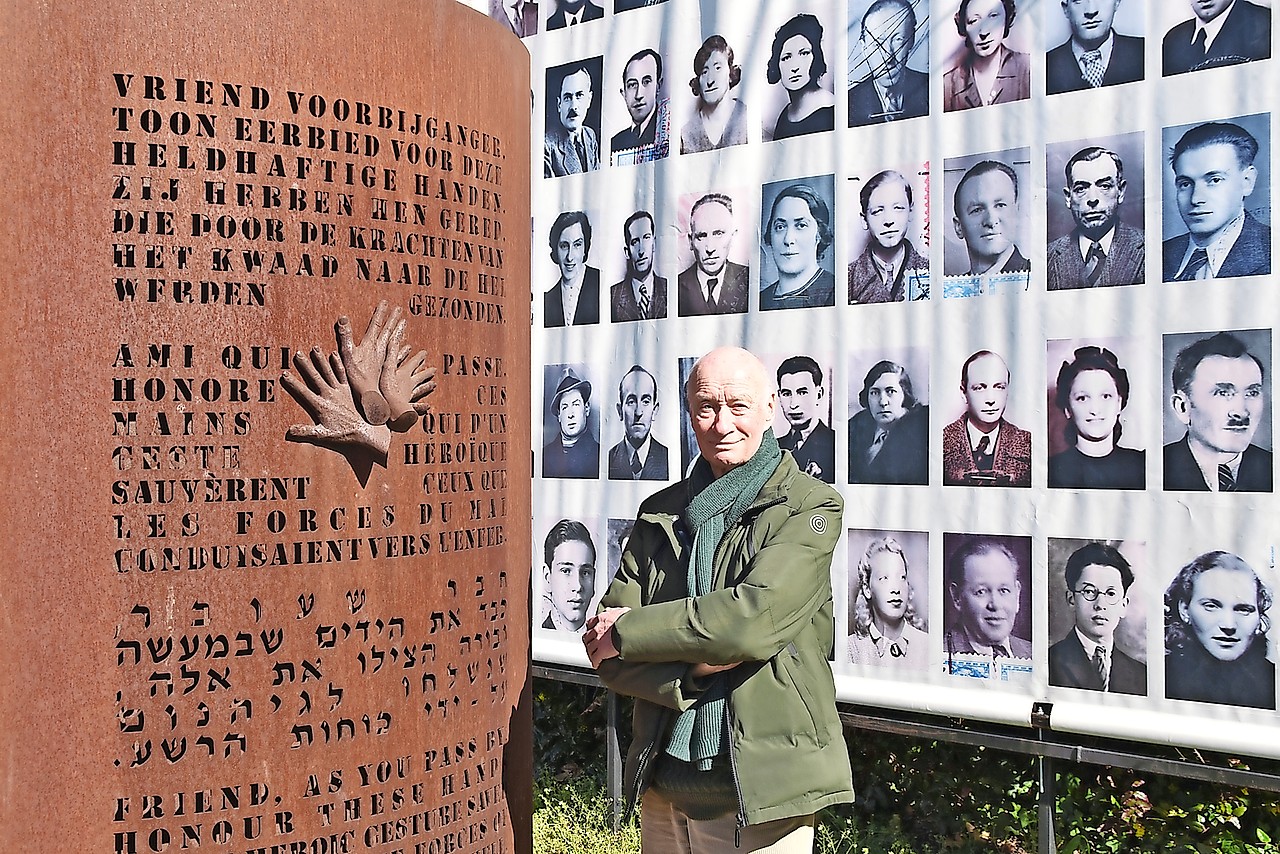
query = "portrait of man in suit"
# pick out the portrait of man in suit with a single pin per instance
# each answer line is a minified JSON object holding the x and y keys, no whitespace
{"x":800,"y":398}
{"x":890,"y":269}
{"x":519,"y":16}
{"x":642,"y":294}
{"x":638,"y":456}
{"x":1095,"y":54}
{"x":571,"y":12}
{"x":570,"y":145}
{"x":985,"y":216}
{"x":712,"y":284}
{"x":1220,"y":32}
{"x":574,"y":300}
{"x":1100,"y":251}
{"x":642,"y":92}
{"x":1098,"y":579}
{"x":568,"y":575}
{"x":1219,"y":396}
{"x":984,"y":591}
{"x":891,"y":91}
{"x":573,"y":451}
{"x":981,"y":448}
{"x":1213,"y":173}
{"x":889,"y":436}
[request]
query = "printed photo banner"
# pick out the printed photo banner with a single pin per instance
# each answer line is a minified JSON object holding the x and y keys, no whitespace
{"x":1010,"y":264}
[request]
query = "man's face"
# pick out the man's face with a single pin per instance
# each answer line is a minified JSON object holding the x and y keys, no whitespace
{"x":710,"y":233}
{"x":640,"y":247}
{"x":1207,"y":10}
{"x":637,"y":401}
{"x":886,"y":42}
{"x":731,"y":407}
{"x":714,"y":78}
{"x":640,"y":87}
{"x":1211,"y":186}
{"x":888,"y":214}
{"x":575,"y":100}
{"x":1090,"y":20}
{"x":988,"y":597}
{"x":1093,"y":405}
{"x":799,"y":398}
{"x":986,"y":219}
{"x":888,"y":587}
{"x":987,"y":390}
{"x":1222,"y":405}
{"x":571,"y":581}
{"x":1223,"y":611}
{"x":886,"y":400}
{"x":793,"y":237}
{"x":795,"y":63}
{"x":1094,"y":196}
{"x":571,"y":252}
{"x":1097,"y":619}
{"x":984,"y":24}
{"x":572,"y":414}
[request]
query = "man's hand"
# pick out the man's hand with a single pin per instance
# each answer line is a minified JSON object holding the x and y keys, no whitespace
{"x":406,"y":382}
{"x":597,"y":636}
{"x":325,"y":395}
{"x":364,"y":363}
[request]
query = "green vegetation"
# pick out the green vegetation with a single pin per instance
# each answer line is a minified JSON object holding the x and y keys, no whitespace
{"x":918,"y":797}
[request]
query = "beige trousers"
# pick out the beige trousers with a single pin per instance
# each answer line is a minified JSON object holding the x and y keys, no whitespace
{"x":666,"y":830}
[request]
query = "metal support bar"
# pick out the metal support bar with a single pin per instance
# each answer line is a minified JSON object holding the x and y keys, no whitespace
{"x":613,"y":760}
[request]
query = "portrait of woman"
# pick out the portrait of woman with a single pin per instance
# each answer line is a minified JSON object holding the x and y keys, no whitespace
{"x":797,"y":235}
{"x":1215,"y":634}
{"x":989,"y":71}
{"x":799,"y":64}
{"x":719,"y":118}
{"x":885,"y":628}
{"x":1092,"y":391}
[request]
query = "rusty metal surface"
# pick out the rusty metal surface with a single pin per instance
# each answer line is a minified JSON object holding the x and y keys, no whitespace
{"x":218,"y":634}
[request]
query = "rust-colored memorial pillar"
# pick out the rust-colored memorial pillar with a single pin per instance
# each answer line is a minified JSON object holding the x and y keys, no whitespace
{"x":264,"y":575}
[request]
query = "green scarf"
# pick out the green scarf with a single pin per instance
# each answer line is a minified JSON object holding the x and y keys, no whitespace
{"x":698,"y":733}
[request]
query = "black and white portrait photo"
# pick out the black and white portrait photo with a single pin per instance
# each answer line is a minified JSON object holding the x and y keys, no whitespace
{"x":645,"y":134}
{"x":890,"y":243}
{"x":987,"y":620}
{"x":1217,"y":200}
{"x":1093,"y":43}
{"x":569,"y":426}
{"x":568,"y":576}
{"x":797,"y":236}
{"x":983,"y":447}
{"x":574,"y":298}
{"x":889,"y":599}
{"x":642,"y":293}
{"x":1212,"y":33}
{"x":1217,"y":424}
{"x":802,"y":420}
{"x":989,"y":63}
{"x":569,"y":13}
{"x":889,"y":427}
{"x":518,"y":16}
{"x":1097,"y":616}
{"x":889,"y":61}
{"x":638,"y":454}
{"x":988,"y":219}
{"x":1096,"y":225}
{"x":719,"y":116}
{"x":1089,"y":413}
{"x":800,"y":100}
{"x":715,"y":271}
{"x":571,"y":143}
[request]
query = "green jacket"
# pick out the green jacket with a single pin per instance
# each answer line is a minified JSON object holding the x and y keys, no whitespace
{"x":771,"y":609}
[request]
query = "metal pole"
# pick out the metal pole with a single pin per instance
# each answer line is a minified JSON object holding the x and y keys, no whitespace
{"x":613,"y":759}
{"x":1040,"y":713}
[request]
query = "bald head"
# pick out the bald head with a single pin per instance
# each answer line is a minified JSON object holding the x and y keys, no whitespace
{"x":731,"y":403}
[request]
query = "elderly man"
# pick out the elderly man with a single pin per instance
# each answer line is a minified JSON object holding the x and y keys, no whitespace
{"x":985,"y":593}
{"x":642,"y":294}
{"x":712,"y":284}
{"x":810,"y":441}
{"x":574,"y":452}
{"x":569,"y":575}
{"x":638,"y":456}
{"x":1218,"y":393}
{"x":1098,"y":581}
{"x":1095,"y":55}
{"x":981,"y":448}
{"x":574,"y":300}
{"x":1101,"y":250}
{"x":1213,"y":173}
{"x":892,"y":90}
{"x":720,"y":622}
{"x":641,"y":90}
{"x":570,"y":146}
{"x":1222,"y":32}
{"x":889,"y":436}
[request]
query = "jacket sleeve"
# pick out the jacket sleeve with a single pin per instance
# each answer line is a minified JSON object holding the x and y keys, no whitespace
{"x":786,"y":582}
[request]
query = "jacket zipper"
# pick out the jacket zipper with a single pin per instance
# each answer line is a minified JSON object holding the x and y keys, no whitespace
{"x":741,"y":818}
